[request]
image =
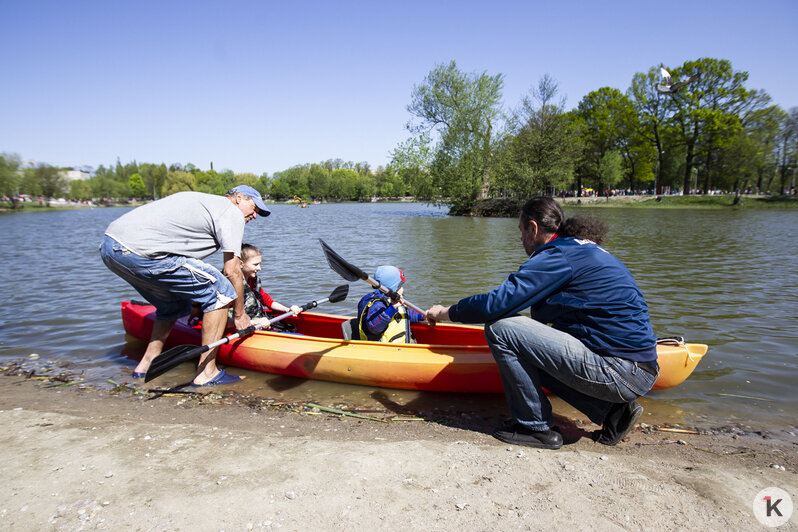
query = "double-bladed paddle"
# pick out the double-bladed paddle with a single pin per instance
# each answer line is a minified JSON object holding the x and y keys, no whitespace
{"x":183,"y":353}
{"x":353,"y":273}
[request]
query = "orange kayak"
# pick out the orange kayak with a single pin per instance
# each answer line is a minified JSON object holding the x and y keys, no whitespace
{"x":447,"y":358}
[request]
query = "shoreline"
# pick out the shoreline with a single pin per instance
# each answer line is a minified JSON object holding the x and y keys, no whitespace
{"x":500,"y":207}
{"x":83,"y":458}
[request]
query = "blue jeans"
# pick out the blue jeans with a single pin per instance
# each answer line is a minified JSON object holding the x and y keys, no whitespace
{"x":532,"y":356}
{"x":171,"y":283}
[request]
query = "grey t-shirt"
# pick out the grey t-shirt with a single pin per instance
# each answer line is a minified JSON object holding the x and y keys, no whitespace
{"x":192,"y":224}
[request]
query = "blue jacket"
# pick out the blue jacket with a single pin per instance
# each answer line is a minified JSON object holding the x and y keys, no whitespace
{"x":580,"y":289}
{"x":381,"y":312}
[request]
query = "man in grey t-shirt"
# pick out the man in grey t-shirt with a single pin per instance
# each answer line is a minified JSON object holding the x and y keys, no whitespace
{"x":158,"y":248}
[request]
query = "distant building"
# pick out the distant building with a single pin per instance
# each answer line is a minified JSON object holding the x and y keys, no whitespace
{"x":72,"y":175}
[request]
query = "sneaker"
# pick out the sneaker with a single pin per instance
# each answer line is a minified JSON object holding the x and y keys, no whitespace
{"x":619,"y":421}
{"x":521,"y":435}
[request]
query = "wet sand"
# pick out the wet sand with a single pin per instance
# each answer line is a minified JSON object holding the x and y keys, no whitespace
{"x":89,"y":459}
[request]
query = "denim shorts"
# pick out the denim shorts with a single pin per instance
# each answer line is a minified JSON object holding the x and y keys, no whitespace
{"x":171,"y":284}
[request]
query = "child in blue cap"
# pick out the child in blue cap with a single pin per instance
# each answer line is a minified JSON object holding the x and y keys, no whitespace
{"x":383,"y":320}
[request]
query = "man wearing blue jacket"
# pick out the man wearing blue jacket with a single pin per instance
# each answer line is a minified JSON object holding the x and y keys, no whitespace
{"x":600,"y":352}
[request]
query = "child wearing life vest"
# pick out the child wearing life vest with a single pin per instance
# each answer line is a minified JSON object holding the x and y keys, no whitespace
{"x":383,"y":320}
{"x":257,"y":303}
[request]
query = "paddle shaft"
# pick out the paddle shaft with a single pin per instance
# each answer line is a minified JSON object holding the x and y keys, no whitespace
{"x":350,"y":272}
{"x":379,"y":286}
{"x":183,"y":353}
{"x":252,"y":328}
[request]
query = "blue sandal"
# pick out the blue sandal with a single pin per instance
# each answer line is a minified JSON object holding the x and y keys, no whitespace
{"x":221,"y":378}
{"x":139,"y":375}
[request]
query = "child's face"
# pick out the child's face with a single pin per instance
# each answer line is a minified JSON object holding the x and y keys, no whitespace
{"x":251,"y":266}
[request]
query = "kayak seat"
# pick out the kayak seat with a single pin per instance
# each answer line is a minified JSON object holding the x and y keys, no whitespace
{"x":350,"y":329}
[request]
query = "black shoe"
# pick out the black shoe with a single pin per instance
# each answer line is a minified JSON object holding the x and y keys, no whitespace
{"x":520,"y":435}
{"x":619,"y":421}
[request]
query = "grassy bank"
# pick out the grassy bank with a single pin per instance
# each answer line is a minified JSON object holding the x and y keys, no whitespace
{"x":35,"y":207}
{"x":509,"y":208}
{"x":6,"y":207}
{"x":701,"y":202}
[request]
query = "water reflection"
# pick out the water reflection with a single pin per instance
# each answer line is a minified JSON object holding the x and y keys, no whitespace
{"x":722,"y":277}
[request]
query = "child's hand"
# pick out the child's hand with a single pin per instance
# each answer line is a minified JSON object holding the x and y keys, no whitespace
{"x":396,"y":300}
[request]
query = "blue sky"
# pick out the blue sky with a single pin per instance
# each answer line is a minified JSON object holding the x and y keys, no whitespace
{"x":262,"y":86}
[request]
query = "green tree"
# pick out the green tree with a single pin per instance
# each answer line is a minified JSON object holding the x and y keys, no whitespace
{"x":343,"y":184}
{"x":463,"y":111}
{"x":263,"y":184}
{"x":787,"y":150}
{"x":610,"y":169}
{"x":29,"y":184}
{"x":707,"y":112}
{"x":102,"y":186}
{"x":738,"y":161}
{"x":178,"y":181}
{"x":10,"y":177}
{"x":634,"y":147}
{"x":545,"y":147}
{"x":50,"y":181}
{"x":245,"y":178}
{"x":80,"y":189}
{"x":209,"y":182}
{"x":153,"y":176}
{"x":653,"y":116}
{"x":318,"y":179}
{"x":292,"y":182}
{"x":158,"y":179}
{"x":145,"y":171}
{"x":364,"y":187}
{"x":753,"y":148}
{"x":388,"y":184}
{"x":604,"y":114}
{"x":362,"y":168}
{"x":280,"y":189}
{"x":136,"y":184}
{"x":412,"y":159}
{"x":227,"y":181}
{"x":123,"y":172}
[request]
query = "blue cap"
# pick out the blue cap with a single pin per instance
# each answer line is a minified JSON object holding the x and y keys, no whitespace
{"x":390,"y":277}
{"x":255,"y":195}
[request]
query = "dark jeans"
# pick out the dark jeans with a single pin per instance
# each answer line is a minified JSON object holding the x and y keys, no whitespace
{"x":532,"y":356}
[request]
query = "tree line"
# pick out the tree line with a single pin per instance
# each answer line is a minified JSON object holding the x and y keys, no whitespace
{"x":334,"y":179}
{"x":714,"y":133}
{"x":464,"y":145}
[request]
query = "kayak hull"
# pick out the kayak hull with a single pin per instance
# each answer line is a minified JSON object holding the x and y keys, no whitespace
{"x":447,"y":357}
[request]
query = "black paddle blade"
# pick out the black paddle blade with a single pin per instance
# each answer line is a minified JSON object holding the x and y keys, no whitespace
{"x":340,"y":266}
{"x":339,"y":294}
{"x":172,"y":358}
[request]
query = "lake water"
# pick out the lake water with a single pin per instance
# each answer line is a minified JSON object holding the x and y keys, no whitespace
{"x":726,"y":278}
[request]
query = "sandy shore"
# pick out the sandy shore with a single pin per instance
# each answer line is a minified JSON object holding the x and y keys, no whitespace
{"x":86,"y":459}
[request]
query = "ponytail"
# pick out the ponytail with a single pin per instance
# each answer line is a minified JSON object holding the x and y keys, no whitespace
{"x":585,"y":227}
{"x":546,"y":212}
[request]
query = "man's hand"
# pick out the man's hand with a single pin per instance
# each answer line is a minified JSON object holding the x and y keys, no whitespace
{"x":242,"y":322}
{"x":438,"y":313}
